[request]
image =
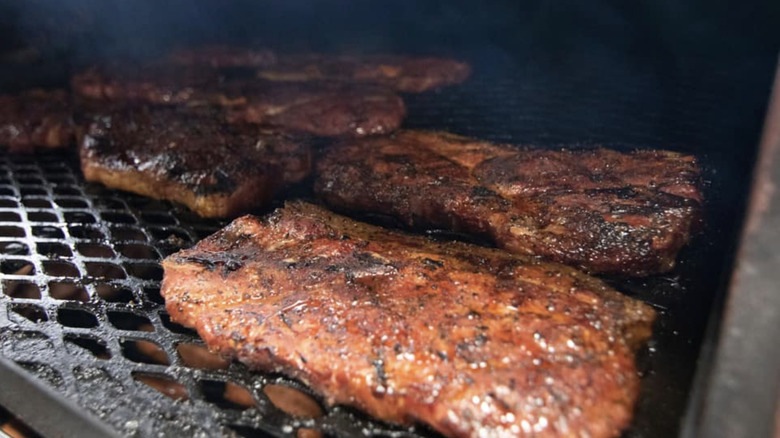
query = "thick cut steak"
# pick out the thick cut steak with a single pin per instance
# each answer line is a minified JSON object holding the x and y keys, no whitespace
{"x":472,"y":341}
{"x":598,"y":209}
{"x":214,"y":168}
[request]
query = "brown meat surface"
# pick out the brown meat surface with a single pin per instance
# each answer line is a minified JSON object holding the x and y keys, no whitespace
{"x":403,"y":73}
{"x":221,"y":56}
{"x":194,"y":158}
{"x":326,"y":109}
{"x":472,"y":341}
{"x":36,"y":118}
{"x":601,"y":210}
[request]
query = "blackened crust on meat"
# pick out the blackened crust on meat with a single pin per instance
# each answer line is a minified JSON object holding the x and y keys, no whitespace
{"x":403,"y":73}
{"x":36,"y":118}
{"x":195,"y":158}
{"x":601,"y":210}
{"x":468,"y":340}
{"x":321,"y":108}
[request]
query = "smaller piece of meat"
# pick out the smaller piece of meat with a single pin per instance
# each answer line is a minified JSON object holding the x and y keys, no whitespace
{"x":36,"y":118}
{"x":222,"y":56}
{"x":322,"y":108}
{"x":598,"y":209}
{"x":195,"y":158}
{"x":325,"y":109}
{"x":403,"y":73}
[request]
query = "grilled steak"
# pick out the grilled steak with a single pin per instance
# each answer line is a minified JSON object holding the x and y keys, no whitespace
{"x":408,"y":74}
{"x":471,"y":341}
{"x":604,"y":211}
{"x":218,"y":56}
{"x":35,"y":118}
{"x":214,"y":168}
{"x":327,"y":109}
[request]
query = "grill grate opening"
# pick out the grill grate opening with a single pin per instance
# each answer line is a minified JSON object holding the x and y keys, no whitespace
{"x":76,"y":318}
{"x":27,"y":311}
{"x":138,"y":350}
{"x":113,"y":293}
{"x":67,"y":291}
{"x":17,"y":267}
{"x":198,"y":356}
{"x":94,"y":346}
{"x":226,"y":395}
{"x":21,"y":289}
{"x":130,"y":321}
{"x":164,"y":385}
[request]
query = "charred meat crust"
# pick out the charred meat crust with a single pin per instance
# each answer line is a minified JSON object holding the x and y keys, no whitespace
{"x":402,"y":73}
{"x":36,"y":118}
{"x":321,"y":108}
{"x":214,"y":168}
{"x":469,"y":340}
{"x":600,"y":210}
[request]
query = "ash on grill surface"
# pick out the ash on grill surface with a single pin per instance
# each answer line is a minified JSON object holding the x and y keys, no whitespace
{"x":465,"y":339}
{"x":195,"y":158}
{"x":605,"y":211}
{"x":36,"y":118}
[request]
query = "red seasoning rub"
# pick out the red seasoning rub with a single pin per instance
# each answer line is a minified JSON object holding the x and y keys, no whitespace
{"x":469,"y":340}
{"x":598,"y":209}
{"x":36,"y":118}
{"x":215,"y":169}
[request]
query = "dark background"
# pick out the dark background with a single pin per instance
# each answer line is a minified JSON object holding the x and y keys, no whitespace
{"x":691,"y":76}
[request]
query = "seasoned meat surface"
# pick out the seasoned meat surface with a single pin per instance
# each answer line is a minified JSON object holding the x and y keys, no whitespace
{"x":471,"y":341}
{"x":326,"y":109}
{"x":194,"y":158}
{"x":36,"y":118}
{"x":221,"y":56}
{"x":601,"y":210}
{"x":402,"y":73}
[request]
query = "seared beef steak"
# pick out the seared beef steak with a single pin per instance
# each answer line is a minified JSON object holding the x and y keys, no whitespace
{"x":604,"y":211}
{"x":403,"y":73}
{"x":35,"y":118}
{"x":469,"y":340}
{"x":214,"y":168}
{"x":327,"y":109}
